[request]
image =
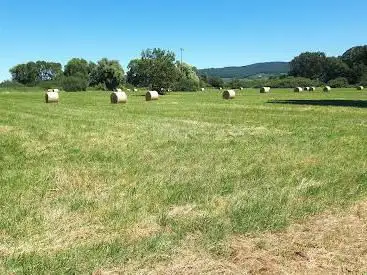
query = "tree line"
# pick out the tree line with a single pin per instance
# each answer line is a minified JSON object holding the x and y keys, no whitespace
{"x":156,"y":69}
{"x":348,"y":69}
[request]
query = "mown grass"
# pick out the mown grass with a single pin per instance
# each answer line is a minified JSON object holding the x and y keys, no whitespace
{"x":87,"y":185}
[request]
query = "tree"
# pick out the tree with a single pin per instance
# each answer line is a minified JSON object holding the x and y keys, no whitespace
{"x":215,"y":82}
{"x":77,"y":67}
{"x":309,"y":64}
{"x":356,"y":58}
{"x":355,"y":55}
{"x":188,"y":79}
{"x":235,"y":83}
{"x":339,"y":82}
{"x":108,"y":73}
{"x":335,"y":67}
{"x":48,"y":71}
{"x":32,"y":73}
{"x":156,"y":68}
{"x":26,"y":74}
{"x":138,"y":73}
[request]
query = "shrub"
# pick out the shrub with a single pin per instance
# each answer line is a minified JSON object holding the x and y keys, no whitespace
{"x":50,"y":84}
{"x":11,"y":85}
{"x":186,"y":84}
{"x":339,"y":82}
{"x":74,"y":84}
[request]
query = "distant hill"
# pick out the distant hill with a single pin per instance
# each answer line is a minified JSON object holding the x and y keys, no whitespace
{"x":272,"y":68}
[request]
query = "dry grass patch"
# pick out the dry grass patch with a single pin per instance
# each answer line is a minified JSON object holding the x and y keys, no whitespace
{"x":330,"y":243}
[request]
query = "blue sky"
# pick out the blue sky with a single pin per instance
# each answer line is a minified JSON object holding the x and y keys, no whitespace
{"x":213,"y":33}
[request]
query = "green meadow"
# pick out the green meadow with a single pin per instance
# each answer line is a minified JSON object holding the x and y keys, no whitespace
{"x":86,"y":185}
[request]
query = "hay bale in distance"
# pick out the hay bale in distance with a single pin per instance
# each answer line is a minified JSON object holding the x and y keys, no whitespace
{"x":220,"y":88}
{"x":229,"y":94}
{"x":307,"y":89}
{"x":51,"y":97}
{"x":241,"y":88}
{"x":151,"y":95}
{"x":327,"y":89}
{"x":135,"y":90}
{"x":202,"y":89}
{"x":129,"y":90}
{"x":265,"y":90}
{"x":312,"y":89}
{"x":298,"y":89}
{"x":360,"y":88}
{"x":117,"y":90}
{"x":118,"y":97}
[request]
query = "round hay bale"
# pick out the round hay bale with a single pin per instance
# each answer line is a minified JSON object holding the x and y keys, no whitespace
{"x":135,"y":90}
{"x":202,"y":89}
{"x":312,"y":89}
{"x":118,"y":97}
{"x":118,"y":90}
{"x":307,"y":89}
{"x":229,"y":94}
{"x":298,"y":89}
{"x":51,"y":97}
{"x":360,"y":88}
{"x":129,"y":90}
{"x":241,"y":88}
{"x":327,"y":89}
{"x":265,"y":90}
{"x":151,"y":95}
{"x":56,"y":90}
{"x":220,"y":88}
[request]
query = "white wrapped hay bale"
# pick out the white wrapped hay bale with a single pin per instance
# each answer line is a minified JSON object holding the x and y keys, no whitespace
{"x":327,"y":89}
{"x":151,"y":95}
{"x":220,"y":88}
{"x":307,"y":89}
{"x":312,"y":89}
{"x":298,"y":89}
{"x":229,"y":94}
{"x":241,"y":88}
{"x":135,"y":90}
{"x":360,"y":88}
{"x":52,"y":97}
{"x":265,"y":90}
{"x":129,"y":90}
{"x":118,"y":90}
{"x":202,"y":89}
{"x":118,"y":97}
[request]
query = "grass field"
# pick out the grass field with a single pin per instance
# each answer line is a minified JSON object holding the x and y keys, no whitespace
{"x":87,"y":186}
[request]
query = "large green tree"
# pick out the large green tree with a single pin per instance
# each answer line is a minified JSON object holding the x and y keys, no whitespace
{"x":335,"y":67}
{"x":32,"y":73}
{"x":77,"y":67}
{"x":309,"y":64}
{"x":156,"y":68}
{"x":108,"y":73}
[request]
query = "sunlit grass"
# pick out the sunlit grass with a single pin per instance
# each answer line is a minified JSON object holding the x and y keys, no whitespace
{"x":88,"y":185}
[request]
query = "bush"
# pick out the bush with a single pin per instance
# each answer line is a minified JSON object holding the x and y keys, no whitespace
{"x":216,"y":82}
{"x":339,"y":82}
{"x":363,"y":81}
{"x":186,"y":84}
{"x":8,"y":84}
{"x":51,"y":84}
{"x":98,"y":87}
{"x":74,"y":84}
